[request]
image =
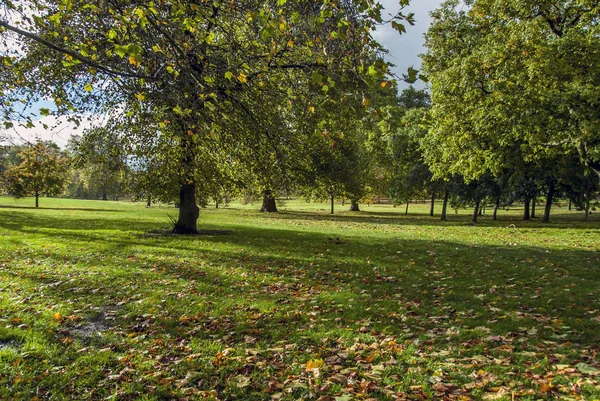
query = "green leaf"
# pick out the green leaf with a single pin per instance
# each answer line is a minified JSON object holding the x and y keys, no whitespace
{"x":121,"y":50}
{"x":587,"y":369}
{"x":281,"y":2}
{"x":228,"y":75}
{"x":316,"y":78}
{"x":44,"y":111}
{"x":112,"y":34}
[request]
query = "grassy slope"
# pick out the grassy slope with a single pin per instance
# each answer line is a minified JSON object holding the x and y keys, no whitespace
{"x":299,"y":304}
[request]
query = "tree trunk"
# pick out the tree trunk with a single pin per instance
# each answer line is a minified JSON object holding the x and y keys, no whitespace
{"x":217,"y":204}
{"x":496,"y":207}
{"x":533,"y":202}
{"x":104,"y":195}
{"x":526,"y":215}
{"x":407,"y":203}
{"x":570,"y":204}
{"x":332,"y":200}
{"x":354,"y":205}
{"x":37,"y":199}
{"x":268,"y":205}
{"x":188,"y":210}
{"x":549,"y":198}
{"x":149,"y":201}
{"x":432,"y":208}
{"x":344,"y":202}
{"x":445,"y":205}
{"x":476,"y":211}
{"x":587,"y":207}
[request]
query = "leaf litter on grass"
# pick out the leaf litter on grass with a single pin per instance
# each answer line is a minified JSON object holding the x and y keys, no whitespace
{"x":262,"y":314}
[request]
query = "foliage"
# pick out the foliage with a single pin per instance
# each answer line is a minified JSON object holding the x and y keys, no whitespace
{"x":101,"y":156}
{"x":508,"y":75}
{"x":216,"y":79}
{"x":41,"y":172}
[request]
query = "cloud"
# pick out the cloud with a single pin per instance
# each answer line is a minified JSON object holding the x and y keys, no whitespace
{"x":59,"y":129}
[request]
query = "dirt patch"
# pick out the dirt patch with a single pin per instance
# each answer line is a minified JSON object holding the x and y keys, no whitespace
{"x":102,"y":322}
{"x":10,"y":344}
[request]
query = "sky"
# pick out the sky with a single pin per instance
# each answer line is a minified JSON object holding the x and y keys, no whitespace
{"x":403,"y":49}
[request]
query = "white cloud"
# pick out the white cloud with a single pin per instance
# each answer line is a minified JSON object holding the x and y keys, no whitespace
{"x":59,"y":129}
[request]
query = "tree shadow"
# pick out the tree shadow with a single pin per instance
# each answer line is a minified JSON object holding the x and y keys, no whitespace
{"x":403,"y":285}
{"x":81,"y":209}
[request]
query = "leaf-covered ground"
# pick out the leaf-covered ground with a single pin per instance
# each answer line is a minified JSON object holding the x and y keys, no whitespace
{"x":95,"y":304}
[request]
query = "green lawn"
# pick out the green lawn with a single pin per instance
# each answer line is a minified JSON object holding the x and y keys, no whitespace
{"x":95,"y":303}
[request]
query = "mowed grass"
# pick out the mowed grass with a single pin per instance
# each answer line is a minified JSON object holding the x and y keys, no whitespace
{"x":96,"y":304}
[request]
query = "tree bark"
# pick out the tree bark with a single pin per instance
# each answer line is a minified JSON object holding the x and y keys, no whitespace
{"x":533,"y":202}
{"x":549,"y":198}
{"x":354,"y":205}
{"x":526,"y":215}
{"x":269,"y":205}
{"x":432,"y":208}
{"x":332,"y":200}
{"x":445,"y":205}
{"x":217,"y":204}
{"x":104,"y":195}
{"x":188,"y":210}
{"x":149,"y":201}
{"x":496,"y":207}
{"x":407,"y":203}
{"x":37,"y":199}
{"x":476,"y":211}
{"x":587,"y":207}
{"x":570,"y":204}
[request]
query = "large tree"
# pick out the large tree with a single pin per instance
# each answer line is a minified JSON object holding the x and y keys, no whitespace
{"x":513,"y":78}
{"x":203,"y":74}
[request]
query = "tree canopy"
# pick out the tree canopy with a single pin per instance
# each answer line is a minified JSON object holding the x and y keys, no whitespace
{"x":512,"y":79}
{"x":212,"y":77}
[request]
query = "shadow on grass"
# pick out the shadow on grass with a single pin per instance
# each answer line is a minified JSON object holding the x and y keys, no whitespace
{"x":81,"y":209}
{"x":558,"y":220}
{"x":406,"y":287}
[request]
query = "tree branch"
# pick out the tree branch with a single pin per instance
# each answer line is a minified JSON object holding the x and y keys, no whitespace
{"x":73,"y":54}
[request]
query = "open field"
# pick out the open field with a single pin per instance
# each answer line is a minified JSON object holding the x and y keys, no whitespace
{"x":96,"y":303}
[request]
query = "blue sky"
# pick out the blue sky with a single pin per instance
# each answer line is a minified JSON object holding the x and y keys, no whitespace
{"x":405,"y":49}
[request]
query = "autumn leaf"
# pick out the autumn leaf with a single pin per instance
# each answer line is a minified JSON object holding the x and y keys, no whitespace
{"x":242,"y":78}
{"x":314,"y":364}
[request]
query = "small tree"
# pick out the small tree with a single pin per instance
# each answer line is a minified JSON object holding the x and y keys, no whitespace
{"x":42,"y":171}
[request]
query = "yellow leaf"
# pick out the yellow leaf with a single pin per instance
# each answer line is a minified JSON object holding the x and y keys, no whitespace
{"x":242,"y":78}
{"x":385,"y":84}
{"x":314,"y":364}
{"x":311,"y":109}
{"x":58,"y":317}
{"x":140,"y":96}
{"x":291,"y":43}
{"x":135,"y":59}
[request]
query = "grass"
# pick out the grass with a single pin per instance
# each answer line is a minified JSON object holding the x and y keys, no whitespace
{"x":296,"y":305}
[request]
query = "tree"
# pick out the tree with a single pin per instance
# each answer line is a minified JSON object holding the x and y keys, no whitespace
{"x":506,"y":74}
{"x":201,"y":73}
{"x":102,"y":154}
{"x":42,"y":171}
